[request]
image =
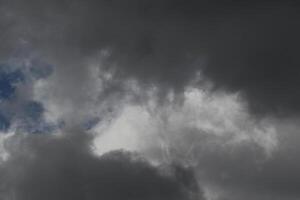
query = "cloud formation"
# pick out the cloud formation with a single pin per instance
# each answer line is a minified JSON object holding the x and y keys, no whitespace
{"x":212,"y":85}
{"x":56,"y":168}
{"x":247,"y":47}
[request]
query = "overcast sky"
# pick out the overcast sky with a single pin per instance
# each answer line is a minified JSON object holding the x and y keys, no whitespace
{"x":149,"y":100}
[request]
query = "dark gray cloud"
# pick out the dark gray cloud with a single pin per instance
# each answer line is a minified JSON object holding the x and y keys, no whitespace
{"x":244,"y":174}
{"x":45,"y":167}
{"x":246,"y":46}
{"x":242,"y":171}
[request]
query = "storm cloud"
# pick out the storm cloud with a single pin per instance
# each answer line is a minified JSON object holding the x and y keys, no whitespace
{"x":246,"y":47}
{"x":54,"y":168}
{"x":149,"y":99}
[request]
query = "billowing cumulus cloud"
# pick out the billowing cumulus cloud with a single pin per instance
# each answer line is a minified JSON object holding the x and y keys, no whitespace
{"x":183,"y":127}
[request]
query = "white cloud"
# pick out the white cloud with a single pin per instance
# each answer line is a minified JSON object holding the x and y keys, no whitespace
{"x":179,"y":128}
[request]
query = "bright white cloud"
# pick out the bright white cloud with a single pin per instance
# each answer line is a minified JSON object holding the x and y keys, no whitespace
{"x":179,"y":128}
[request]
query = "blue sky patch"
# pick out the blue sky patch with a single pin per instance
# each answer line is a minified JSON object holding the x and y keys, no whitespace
{"x":8,"y":81}
{"x":30,"y":113}
{"x":22,"y":69}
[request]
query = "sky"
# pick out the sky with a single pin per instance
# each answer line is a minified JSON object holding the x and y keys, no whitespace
{"x":149,"y":100}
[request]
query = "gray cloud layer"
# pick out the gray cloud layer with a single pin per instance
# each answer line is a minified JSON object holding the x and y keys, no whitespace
{"x":245,"y":47}
{"x":49,"y":168}
{"x":250,"y":47}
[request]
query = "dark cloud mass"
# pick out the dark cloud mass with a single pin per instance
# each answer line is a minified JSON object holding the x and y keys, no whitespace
{"x":253,"y":178}
{"x":69,"y":68}
{"x":64,"y":168}
{"x":249,"y":47}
